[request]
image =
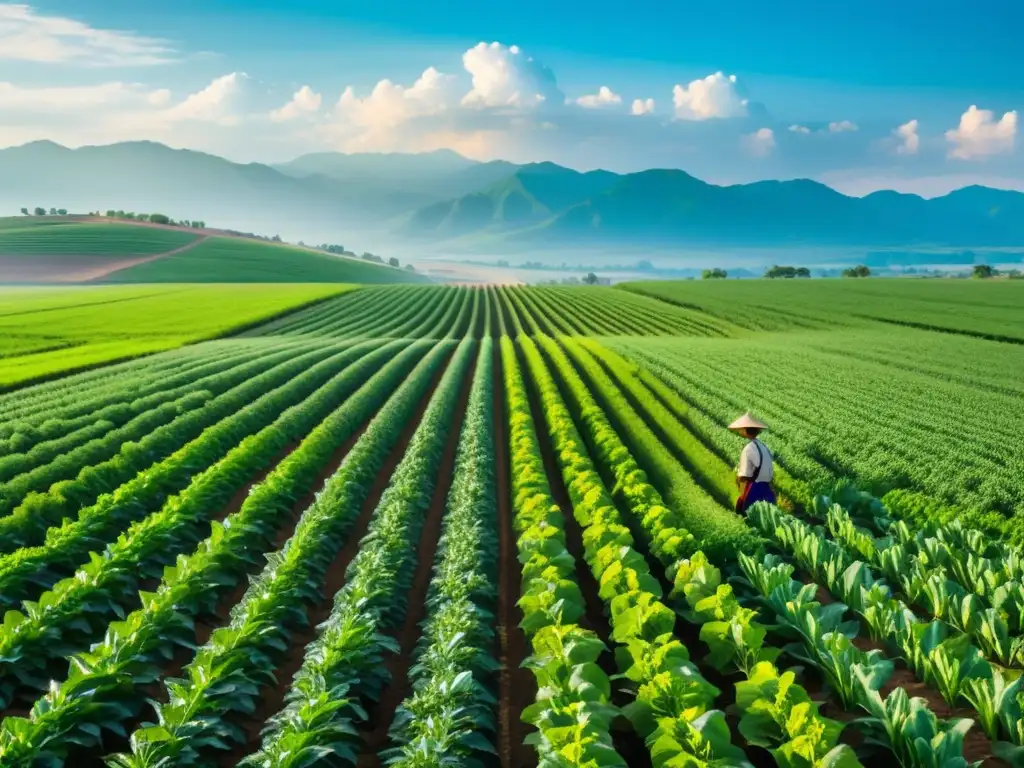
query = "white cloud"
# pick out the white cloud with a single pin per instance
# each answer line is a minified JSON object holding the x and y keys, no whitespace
{"x":305,"y":102}
{"x":802,"y":129}
{"x":980,"y":135}
{"x":14,"y":98}
{"x":28,"y":36}
{"x":604,"y":97}
{"x":843,"y":126}
{"x":506,"y":77}
{"x":909,"y":140}
{"x":761,"y":142}
{"x":219,"y":102}
{"x":642,"y":107}
{"x":391,"y":104}
{"x":714,"y":96}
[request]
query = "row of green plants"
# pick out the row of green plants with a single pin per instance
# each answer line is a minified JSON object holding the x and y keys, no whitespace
{"x":343,"y":669}
{"x":777,"y":713}
{"x":119,"y":402}
{"x":75,"y":482}
{"x":218,"y":426}
{"x":935,"y":651}
{"x":670,"y":414}
{"x":341,"y":305}
{"x":66,"y":619}
{"x":54,"y":406}
{"x":573,"y":719}
{"x":450,"y":715}
{"x":383,"y":313}
{"x":109,"y":439}
{"x":106,"y":686}
{"x":720,"y":531}
{"x":228,"y":672}
{"x":674,"y":707}
{"x":707,"y":413}
{"x":931,"y":573}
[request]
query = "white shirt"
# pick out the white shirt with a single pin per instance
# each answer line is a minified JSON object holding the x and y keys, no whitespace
{"x":749,"y":461}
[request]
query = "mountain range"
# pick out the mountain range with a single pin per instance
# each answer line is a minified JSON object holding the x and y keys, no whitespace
{"x":442,"y":200}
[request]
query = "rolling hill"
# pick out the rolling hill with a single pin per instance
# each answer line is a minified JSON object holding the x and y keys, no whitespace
{"x":82,"y":249}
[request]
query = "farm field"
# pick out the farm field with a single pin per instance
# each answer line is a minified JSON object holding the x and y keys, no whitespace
{"x":49,"y":331}
{"x":971,"y":307}
{"x":84,"y":250}
{"x":427,"y":526}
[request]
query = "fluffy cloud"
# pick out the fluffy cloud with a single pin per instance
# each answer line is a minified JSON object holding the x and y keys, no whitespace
{"x":220,"y":102}
{"x":642,"y":107}
{"x":305,"y":102}
{"x":391,"y":104}
{"x":979,"y":135}
{"x":714,"y":96}
{"x":801,"y":129}
{"x":28,"y":36}
{"x":761,"y":142}
{"x":604,"y":97}
{"x":506,"y":77}
{"x":15,"y":99}
{"x":909,"y":141}
{"x":843,"y":126}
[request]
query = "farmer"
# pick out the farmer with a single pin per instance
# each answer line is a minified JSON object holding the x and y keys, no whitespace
{"x":754,"y":474}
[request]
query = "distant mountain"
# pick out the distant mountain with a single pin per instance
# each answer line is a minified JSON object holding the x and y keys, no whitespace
{"x":537,"y":206}
{"x":437,"y":175}
{"x":441,"y":201}
{"x":530,"y":194}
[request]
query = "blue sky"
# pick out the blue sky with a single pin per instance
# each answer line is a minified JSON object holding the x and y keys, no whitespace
{"x":805,"y":89}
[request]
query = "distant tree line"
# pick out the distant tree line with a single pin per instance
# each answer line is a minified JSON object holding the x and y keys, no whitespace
{"x":714,"y":274}
{"x":775,"y":271}
{"x":340,"y":250}
{"x":859,"y":271}
{"x":44,"y":212}
{"x":152,"y":218}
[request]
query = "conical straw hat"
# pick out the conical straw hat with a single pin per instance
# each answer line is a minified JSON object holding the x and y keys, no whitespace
{"x":747,"y":421}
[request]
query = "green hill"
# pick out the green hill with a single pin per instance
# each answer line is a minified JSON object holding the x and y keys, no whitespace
{"x":239,"y":260}
{"x":89,"y":239}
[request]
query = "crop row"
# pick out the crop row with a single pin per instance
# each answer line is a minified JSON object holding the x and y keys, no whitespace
{"x":105,"y":686}
{"x":217,"y":427}
{"x":72,"y":614}
{"x":450,"y":714}
{"x":343,"y":669}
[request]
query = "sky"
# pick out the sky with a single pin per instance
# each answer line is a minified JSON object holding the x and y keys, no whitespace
{"x":920,"y":95}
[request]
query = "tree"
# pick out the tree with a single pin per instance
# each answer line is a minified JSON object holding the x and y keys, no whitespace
{"x":159,"y":218}
{"x":24,"y":211}
{"x":111,"y":213}
{"x":983,"y":271}
{"x":803,"y":272}
{"x":39,"y":211}
{"x":590,"y":279}
{"x":859,"y":271}
{"x":714,"y":274}
{"x":410,"y":268}
{"x":394,"y":262}
{"x":62,"y":211}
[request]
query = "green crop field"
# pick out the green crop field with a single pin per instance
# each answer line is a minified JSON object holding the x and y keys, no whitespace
{"x":93,"y":239}
{"x":494,"y":528}
{"x":226,"y":260}
{"x":46,"y":331}
{"x":986,"y":308}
